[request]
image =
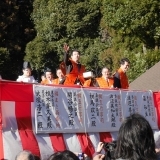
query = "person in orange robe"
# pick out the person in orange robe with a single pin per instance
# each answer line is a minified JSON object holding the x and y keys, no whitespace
{"x":120,"y":77}
{"x":73,"y":68}
{"x":60,"y":79}
{"x":105,"y":81}
{"x":90,"y":83}
{"x":90,"y":80}
{"x":49,"y":77}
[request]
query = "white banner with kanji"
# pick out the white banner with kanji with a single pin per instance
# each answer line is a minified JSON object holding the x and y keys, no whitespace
{"x":78,"y":110}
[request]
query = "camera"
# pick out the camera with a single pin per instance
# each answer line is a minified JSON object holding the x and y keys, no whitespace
{"x":109,"y":150}
{"x":81,"y":156}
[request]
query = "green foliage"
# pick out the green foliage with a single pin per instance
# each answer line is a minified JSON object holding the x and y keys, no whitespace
{"x":134,"y":18}
{"x":134,"y":28}
{"x":41,"y":54}
{"x":76,"y":23}
{"x":137,"y":64}
{"x":141,"y":62}
{"x":103,"y":31}
{"x":152,"y":57}
{"x":92,"y":59}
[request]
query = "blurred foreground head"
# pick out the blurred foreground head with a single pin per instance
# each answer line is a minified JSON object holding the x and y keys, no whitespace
{"x":64,"y":155}
{"x":25,"y":155}
{"x":135,"y":139}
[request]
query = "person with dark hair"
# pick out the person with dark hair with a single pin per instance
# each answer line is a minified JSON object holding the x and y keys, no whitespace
{"x":25,"y":155}
{"x":49,"y":77}
{"x":64,"y":155}
{"x":120,"y":77}
{"x":135,"y":140}
{"x":36,"y":157}
{"x":72,"y":68}
{"x":55,"y":156}
{"x":43,"y":77}
{"x":106,"y":81}
{"x":26,"y":77}
{"x":61,"y":77}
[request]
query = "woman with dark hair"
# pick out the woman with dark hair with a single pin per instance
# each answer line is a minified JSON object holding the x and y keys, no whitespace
{"x":135,"y":140}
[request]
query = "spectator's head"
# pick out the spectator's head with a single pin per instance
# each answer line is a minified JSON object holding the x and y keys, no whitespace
{"x":36,"y":157}
{"x":26,"y":69}
{"x":48,"y":74}
{"x":105,"y":73}
{"x":65,"y":155}
{"x":24,"y":155}
{"x":75,"y":55}
{"x":124,"y":62}
{"x":59,"y":74}
{"x":135,"y":139}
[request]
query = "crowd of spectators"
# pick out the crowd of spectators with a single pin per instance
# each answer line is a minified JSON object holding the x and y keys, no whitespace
{"x":135,"y":142}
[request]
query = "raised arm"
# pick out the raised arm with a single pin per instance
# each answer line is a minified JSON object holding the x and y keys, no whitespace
{"x":66,"y":55}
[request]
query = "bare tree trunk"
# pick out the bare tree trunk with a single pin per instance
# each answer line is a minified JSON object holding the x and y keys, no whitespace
{"x":156,"y":47}
{"x":156,"y":44}
{"x":144,"y":49}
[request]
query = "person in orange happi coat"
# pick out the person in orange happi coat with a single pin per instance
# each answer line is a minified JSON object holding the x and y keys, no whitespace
{"x":61,"y":77}
{"x":73,"y":68}
{"x":90,"y":80}
{"x":120,"y":77}
{"x":49,"y":77}
{"x":106,"y":81}
{"x":90,"y":83}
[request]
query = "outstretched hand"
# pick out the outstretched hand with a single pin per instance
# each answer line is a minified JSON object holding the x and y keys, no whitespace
{"x":66,"y":48}
{"x":100,"y":147}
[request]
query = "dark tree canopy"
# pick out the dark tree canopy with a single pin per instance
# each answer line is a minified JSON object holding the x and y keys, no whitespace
{"x":76,"y":23}
{"x":16,"y":30}
{"x":103,"y":31}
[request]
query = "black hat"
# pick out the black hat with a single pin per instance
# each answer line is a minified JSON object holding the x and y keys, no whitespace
{"x":26,"y":65}
{"x":47,"y":70}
